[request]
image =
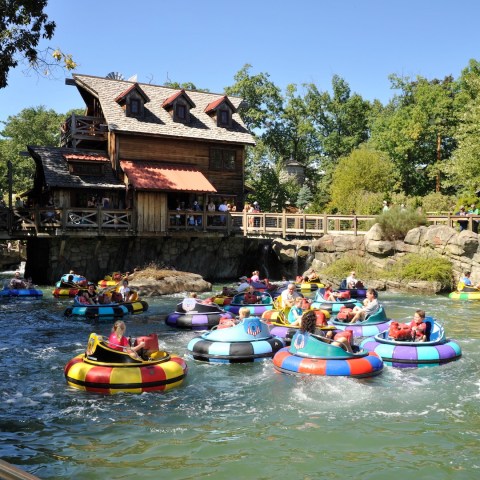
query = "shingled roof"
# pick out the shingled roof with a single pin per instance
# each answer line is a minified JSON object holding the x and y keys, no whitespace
{"x":52,"y":161}
{"x":157,"y":120}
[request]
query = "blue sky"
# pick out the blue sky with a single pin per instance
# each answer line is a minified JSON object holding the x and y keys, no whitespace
{"x":363,"y":41}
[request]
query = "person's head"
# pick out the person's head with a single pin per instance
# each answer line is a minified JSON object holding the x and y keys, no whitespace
{"x":352,"y":274}
{"x":419,"y":316}
{"x":125,"y":282}
{"x":193,"y":295}
{"x":250,"y":289}
{"x":85,"y":293}
{"x":309,"y":321}
{"x":71,"y":272}
{"x":372,"y":293}
{"x":467,"y":274}
{"x":70,"y":278}
{"x":291,"y":288}
{"x":91,"y":288}
{"x":119,"y":327}
{"x":244,"y":312}
{"x":17,"y":274}
{"x":462,"y":208}
{"x":298,"y":302}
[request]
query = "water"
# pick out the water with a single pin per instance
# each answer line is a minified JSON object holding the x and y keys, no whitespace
{"x":235,"y":421}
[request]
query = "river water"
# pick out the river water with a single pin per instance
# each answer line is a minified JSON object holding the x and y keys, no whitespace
{"x":235,"y":421}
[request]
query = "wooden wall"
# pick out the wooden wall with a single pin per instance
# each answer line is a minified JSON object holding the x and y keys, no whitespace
{"x":186,"y":153}
{"x":151,"y":210}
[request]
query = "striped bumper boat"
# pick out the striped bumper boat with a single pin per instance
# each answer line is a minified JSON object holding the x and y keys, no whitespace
{"x":107,"y":311}
{"x":194,"y":315}
{"x":404,"y":354}
{"x":102,"y":369}
{"x":249,"y":341}
{"x":373,"y":325}
{"x":312,"y":355}
{"x":21,"y":292}
{"x":265,"y":302}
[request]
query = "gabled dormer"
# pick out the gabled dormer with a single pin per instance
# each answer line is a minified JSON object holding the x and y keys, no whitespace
{"x":133,"y":101}
{"x":221,"y":111}
{"x":178,"y":106}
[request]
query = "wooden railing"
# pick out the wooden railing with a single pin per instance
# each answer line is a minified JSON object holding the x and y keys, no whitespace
{"x":20,"y":223}
{"x":81,"y":127}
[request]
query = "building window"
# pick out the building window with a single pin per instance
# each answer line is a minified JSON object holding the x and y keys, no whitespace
{"x":86,"y":169}
{"x":181,"y":112}
{"x":224,"y":118}
{"x":222,"y":159}
{"x":134,"y":106}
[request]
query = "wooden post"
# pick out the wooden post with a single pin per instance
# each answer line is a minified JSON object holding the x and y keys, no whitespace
{"x":284,"y":223}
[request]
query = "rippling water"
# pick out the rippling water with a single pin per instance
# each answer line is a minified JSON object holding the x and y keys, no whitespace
{"x":235,"y":421}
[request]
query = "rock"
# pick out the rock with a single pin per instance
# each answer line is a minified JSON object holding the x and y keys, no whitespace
{"x":177,"y":282}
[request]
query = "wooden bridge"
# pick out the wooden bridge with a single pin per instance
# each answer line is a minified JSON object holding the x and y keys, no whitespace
{"x":90,"y":222}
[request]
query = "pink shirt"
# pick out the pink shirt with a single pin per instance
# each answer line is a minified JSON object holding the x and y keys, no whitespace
{"x":116,"y":344}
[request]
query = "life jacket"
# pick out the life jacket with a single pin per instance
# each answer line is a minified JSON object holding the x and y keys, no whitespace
{"x":348,"y":334}
{"x":400,"y":331}
{"x":345,"y":313}
{"x":344,"y":295}
{"x":151,"y":342}
{"x":299,"y":279}
{"x":250,"y":298}
{"x":226,"y":323}
{"x":321,"y":319}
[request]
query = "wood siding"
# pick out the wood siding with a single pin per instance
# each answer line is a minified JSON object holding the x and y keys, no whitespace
{"x":151,"y":210}
{"x":185,"y":153}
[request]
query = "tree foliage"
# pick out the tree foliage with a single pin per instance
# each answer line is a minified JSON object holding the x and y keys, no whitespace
{"x":363,"y":171}
{"x":23,"y":23}
{"x":32,"y":126}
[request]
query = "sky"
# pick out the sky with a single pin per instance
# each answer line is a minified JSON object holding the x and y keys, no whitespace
{"x":207,"y":42}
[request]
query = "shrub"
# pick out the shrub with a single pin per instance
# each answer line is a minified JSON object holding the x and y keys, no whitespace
{"x":341,"y":268}
{"x":436,"y":202}
{"x":395,"y":223}
{"x":415,"y":267}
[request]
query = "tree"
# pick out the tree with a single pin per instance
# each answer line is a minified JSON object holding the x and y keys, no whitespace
{"x":32,"y":126}
{"x":23,"y":24}
{"x":364,"y":172}
{"x":304,"y":197}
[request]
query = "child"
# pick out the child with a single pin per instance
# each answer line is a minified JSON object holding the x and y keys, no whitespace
{"x":296,"y":312}
{"x":419,"y":327}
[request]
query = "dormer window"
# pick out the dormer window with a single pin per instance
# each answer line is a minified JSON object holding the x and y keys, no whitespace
{"x":178,"y":106}
{"x":221,"y":111}
{"x":132,"y":101}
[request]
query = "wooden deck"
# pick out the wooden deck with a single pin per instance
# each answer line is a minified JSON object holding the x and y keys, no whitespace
{"x":88,"y":222}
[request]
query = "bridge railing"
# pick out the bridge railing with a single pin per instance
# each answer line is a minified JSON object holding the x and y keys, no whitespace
{"x":18,"y":223}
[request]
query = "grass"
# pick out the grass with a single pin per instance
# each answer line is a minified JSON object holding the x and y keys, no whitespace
{"x":153,"y":271}
{"x":341,"y":268}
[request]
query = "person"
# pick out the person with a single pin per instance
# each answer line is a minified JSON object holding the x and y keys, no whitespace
{"x":308,"y":325}
{"x":243,"y":285}
{"x":474,"y":211}
{"x":126,"y":292}
{"x":243,"y":313}
{"x":289,"y":295}
{"x":17,"y":282}
{"x":371,"y":306}
{"x":69,"y":283}
{"x":463,"y":223}
{"x":83,"y":298}
{"x":466,"y":280}
{"x":385,"y":206}
{"x":418,"y":326}
{"x":223,"y":208}
{"x":19,"y":202}
{"x":352,"y":280}
{"x":92,"y":294}
{"x":250,"y":297}
{"x":310,"y":275}
{"x":105,"y":202}
{"x":255,"y":276}
{"x":329,"y":294}
{"x":91,"y":202}
{"x":118,"y":341}
{"x":295,"y":314}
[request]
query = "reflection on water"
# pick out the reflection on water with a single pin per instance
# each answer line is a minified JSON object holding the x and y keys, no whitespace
{"x":235,"y":421}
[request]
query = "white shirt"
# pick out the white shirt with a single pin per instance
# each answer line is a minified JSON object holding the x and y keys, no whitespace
{"x":222,"y":208}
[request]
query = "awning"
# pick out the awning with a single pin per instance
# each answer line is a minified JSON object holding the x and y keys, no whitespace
{"x":152,"y":176}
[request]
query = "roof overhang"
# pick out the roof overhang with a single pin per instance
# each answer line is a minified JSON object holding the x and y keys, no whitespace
{"x":156,"y":177}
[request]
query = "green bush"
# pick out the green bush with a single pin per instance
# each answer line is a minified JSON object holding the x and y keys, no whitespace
{"x":396,"y":222}
{"x":341,"y":268}
{"x":416,"y":267}
{"x":436,"y":202}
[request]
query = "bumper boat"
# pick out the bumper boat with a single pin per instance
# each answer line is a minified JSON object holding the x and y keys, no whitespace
{"x":467,"y":293}
{"x":372,"y":325}
{"x":196,"y":315}
{"x":312,"y":355}
{"x":403,"y":354}
{"x":108,"y":310}
{"x":308,"y":286}
{"x":102,"y":369}
{"x":21,"y":292}
{"x":249,"y":341}
{"x":65,"y":291}
{"x":257,"y":303}
{"x":334,"y":307}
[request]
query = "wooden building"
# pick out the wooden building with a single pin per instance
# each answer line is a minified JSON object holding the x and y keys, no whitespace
{"x":145,"y":147}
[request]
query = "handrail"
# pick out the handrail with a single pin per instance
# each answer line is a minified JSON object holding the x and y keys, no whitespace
{"x":64,"y":221}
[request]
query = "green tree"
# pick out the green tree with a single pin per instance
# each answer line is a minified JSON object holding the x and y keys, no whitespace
{"x":304,"y":197}
{"x":363,"y":173}
{"x":416,"y":129}
{"x":32,"y":126}
{"x":23,"y":23}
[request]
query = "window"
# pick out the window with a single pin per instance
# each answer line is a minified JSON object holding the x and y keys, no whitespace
{"x":134,"y":106}
{"x":224,"y":117}
{"x":222,"y":159}
{"x":86,"y":169}
{"x":180,"y":111}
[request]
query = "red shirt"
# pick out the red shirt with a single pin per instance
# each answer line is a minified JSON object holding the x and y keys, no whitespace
{"x":116,"y":344}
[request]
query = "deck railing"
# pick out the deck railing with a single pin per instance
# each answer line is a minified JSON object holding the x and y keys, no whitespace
{"x":82,"y":127}
{"x":19,"y":223}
